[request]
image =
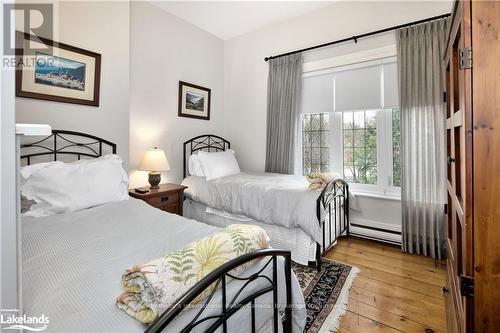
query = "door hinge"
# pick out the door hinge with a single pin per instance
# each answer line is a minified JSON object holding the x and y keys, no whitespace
{"x":465,"y":58}
{"x":466,"y":286}
{"x":444,"y":96}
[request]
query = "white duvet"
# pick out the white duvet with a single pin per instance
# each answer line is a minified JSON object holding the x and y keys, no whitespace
{"x":268,"y":197}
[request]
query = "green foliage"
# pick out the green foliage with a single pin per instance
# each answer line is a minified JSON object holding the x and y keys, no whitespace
{"x":360,"y":147}
{"x":181,"y":262}
{"x":241,"y":242}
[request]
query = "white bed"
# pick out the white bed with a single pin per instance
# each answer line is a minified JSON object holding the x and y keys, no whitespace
{"x":280,"y":204}
{"x":271,"y":198}
{"x":303,"y":221}
{"x":72,"y":264}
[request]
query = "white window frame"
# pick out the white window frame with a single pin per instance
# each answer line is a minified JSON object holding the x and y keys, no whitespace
{"x":387,"y":141}
{"x":384,"y":187}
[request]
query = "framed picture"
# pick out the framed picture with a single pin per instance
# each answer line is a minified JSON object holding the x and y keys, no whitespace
{"x":57,"y":72}
{"x":194,"y":101}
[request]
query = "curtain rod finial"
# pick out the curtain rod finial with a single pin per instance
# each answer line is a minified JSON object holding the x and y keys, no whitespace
{"x":266,"y":59}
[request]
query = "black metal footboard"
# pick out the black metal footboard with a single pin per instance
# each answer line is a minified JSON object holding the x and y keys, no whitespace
{"x":332,"y":210}
{"x":230,"y":306}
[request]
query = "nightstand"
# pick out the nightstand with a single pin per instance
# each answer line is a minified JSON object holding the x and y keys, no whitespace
{"x":167,"y":197}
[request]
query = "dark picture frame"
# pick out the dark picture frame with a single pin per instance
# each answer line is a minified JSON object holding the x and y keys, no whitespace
{"x":194,"y":101}
{"x":94,"y":90}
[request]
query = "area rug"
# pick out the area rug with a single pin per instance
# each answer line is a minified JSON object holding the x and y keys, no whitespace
{"x":326,"y":293}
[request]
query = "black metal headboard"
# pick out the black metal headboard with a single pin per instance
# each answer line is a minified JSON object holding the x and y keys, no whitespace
{"x":62,"y":142}
{"x":206,"y":142}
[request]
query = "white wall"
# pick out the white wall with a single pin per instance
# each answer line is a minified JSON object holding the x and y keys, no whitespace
{"x":102,"y":27}
{"x":245,"y":73}
{"x":163,"y":50}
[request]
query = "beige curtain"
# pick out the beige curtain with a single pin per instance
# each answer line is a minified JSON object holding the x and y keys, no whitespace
{"x":420,"y":66}
{"x":283,"y":102}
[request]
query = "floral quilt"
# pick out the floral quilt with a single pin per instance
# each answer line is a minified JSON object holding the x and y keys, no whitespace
{"x":150,"y":288}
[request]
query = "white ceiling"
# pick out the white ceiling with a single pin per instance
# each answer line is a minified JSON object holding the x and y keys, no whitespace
{"x":227,"y":19}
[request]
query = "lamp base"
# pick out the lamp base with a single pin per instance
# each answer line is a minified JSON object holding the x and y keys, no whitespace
{"x":154,"y":179}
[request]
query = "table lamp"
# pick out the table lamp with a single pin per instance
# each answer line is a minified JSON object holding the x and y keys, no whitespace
{"x":154,"y":161}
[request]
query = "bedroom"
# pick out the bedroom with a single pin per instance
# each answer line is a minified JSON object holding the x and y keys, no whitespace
{"x":408,"y":233}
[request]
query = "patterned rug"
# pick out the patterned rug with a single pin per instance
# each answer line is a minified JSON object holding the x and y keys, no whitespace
{"x":326,"y":293}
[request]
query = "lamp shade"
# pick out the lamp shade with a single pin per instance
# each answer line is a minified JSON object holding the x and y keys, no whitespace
{"x":154,"y":160}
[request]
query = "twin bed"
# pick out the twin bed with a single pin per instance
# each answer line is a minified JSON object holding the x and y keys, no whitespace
{"x":72,"y":262}
{"x":305,"y":222}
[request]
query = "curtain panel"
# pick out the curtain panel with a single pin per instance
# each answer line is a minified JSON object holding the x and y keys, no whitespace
{"x":283,"y":103}
{"x":420,"y":51}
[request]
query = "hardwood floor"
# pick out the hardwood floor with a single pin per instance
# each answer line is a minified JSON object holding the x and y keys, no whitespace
{"x":394,"y":292}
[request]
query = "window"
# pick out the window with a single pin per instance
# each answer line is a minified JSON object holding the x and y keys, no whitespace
{"x":315,"y":146}
{"x":360,"y":146}
{"x":350,"y":125}
{"x":369,"y":153}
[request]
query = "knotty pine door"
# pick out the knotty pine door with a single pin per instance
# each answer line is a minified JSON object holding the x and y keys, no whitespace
{"x":459,"y":169}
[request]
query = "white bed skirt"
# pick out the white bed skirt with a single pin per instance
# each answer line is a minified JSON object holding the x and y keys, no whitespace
{"x":302,"y":246}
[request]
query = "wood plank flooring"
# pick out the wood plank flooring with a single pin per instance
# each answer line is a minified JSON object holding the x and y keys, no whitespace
{"x":394,"y":292}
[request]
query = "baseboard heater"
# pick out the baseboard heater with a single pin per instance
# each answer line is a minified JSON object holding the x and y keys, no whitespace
{"x":374,"y":233}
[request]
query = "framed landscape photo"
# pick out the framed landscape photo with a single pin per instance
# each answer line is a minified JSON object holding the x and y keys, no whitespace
{"x":194,"y":101}
{"x":55,"y":71}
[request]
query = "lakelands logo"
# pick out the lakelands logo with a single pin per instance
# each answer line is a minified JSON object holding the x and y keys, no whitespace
{"x":14,"y":321}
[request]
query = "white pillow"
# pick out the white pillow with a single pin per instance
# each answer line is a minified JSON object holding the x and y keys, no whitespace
{"x":195,"y":168}
{"x":28,"y":170}
{"x":67,"y":187}
{"x":219,"y":164}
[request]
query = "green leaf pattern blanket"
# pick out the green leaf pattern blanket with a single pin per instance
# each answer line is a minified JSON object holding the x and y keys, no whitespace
{"x":150,"y":288}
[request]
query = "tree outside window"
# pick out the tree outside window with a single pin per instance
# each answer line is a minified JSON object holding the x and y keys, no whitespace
{"x":360,"y":146}
{"x":315,"y":143}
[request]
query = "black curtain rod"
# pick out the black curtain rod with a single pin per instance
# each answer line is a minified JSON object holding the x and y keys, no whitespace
{"x":355,"y":38}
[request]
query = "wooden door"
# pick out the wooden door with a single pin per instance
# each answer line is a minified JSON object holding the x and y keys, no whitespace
{"x":459,"y":170}
{"x":486,"y":129}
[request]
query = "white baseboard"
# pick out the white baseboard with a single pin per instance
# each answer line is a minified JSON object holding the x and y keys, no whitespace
{"x":376,"y":230}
